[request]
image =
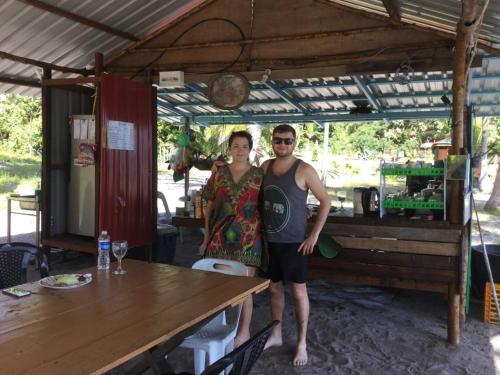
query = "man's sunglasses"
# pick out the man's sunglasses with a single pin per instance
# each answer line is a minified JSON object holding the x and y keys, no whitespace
{"x":287,"y":141}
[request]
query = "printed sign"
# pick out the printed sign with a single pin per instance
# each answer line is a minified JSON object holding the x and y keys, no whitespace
{"x":121,"y":135}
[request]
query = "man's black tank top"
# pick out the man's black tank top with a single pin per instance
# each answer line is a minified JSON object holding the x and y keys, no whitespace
{"x":284,"y":208}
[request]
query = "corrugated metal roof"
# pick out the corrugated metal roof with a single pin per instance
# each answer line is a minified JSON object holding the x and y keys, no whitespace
{"x":34,"y":33}
{"x":333,"y":99}
{"x":30,"y":32}
{"x":441,"y":14}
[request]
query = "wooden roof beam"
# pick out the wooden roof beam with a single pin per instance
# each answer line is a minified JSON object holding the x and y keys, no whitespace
{"x":20,"y":81}
{"x":75,"y":17}
{"x":275,"y":39}
{"x":393,"y":10}
{"x":41,"y":64}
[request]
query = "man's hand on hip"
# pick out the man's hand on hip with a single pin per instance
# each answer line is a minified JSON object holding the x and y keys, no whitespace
{"x":307,"y":247}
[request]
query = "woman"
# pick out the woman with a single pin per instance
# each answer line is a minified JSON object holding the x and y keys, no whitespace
{"x":232,"y":218}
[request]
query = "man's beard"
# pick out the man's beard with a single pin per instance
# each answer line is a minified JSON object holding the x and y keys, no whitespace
{"x":283,"y":154}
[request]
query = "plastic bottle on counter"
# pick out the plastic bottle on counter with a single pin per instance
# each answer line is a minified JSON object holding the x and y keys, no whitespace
{"x":104,"y":246}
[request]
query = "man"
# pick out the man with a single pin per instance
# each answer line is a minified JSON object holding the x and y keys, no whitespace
{"x":286,"y":184}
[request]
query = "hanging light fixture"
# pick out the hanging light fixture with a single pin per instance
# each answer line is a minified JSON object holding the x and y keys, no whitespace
{"x":404,"y":73}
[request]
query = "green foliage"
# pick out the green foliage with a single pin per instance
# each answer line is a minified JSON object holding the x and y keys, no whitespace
{"x":368,"y":140}
{"x":167,"y":134}
{"x":408,"y":135}
{"x":18,"y":172}
{"x":494,"y":136}
{"x":374,"y":139}
{"x":21,"y":124}
{"x":339,"y":136}
{"x":212,"y":141}
{"x":266,"y":138}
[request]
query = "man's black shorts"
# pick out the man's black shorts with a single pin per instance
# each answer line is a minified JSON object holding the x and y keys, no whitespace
{"x":286,"y":264}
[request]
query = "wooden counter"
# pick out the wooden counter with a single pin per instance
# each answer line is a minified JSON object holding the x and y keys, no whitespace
{"x":188,"y":222}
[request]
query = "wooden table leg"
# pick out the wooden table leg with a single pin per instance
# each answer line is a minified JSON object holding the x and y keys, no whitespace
{"x":453,"y":315}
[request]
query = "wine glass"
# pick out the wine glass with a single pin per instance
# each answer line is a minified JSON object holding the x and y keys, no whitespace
{"x":341,"y":196}
{"x":119,"y":251}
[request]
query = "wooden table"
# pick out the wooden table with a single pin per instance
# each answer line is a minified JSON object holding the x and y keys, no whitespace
{"x":99,"y":326}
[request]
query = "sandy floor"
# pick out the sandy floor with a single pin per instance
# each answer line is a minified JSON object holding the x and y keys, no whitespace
{"x":353,"y":330}
{"x":364,"y":330}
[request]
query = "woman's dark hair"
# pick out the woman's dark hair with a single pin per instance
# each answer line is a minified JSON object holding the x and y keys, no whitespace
{"x":241,"y":134}
{"x":285,"y":128}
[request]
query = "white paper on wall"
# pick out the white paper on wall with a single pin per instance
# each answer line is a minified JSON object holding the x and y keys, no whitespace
{"x":76,"y":128}
{"x":121,"y":135}
{"x":84,"y":128}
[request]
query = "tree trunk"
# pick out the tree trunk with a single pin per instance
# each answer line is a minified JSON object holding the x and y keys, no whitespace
{"x":483,"y":181}
{"x":494,"y":201}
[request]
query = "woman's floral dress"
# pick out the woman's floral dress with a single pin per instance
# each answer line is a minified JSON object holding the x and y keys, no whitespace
{"x":235,"y":219}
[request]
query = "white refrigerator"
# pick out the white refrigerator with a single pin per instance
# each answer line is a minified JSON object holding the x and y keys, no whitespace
{"x":81,"y":192}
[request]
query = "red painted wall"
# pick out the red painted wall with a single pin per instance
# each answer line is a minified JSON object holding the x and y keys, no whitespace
{"x":125,"y":187}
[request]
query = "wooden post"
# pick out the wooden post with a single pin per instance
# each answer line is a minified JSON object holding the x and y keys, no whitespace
{"x":326,"y":134}
{"x":100,"y":136}
{"x":453,"y":314}
{"x":457,"y":143}
{"x":46,"y":159}
{"x":99,"y":65}
{"x":464,"y":274}
{"x":472,"y":16}
{"x":46,"y":131}
{"x":186,"y":175}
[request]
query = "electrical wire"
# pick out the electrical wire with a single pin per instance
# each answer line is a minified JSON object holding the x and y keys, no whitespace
{"x":191,"y":28}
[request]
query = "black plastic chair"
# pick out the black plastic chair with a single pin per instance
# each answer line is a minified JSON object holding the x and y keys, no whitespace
{"x":243,"y":357}
{"x":14,"y":262}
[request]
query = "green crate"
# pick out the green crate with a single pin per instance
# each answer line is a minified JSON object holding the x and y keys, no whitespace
{"x":398,"y":171}
{"x":430,"y":205}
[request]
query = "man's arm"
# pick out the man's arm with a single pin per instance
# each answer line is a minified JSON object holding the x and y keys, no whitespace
{"x":313,"y":182}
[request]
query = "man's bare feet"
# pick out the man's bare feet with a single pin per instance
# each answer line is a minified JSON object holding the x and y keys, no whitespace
{"x":273,"y":340}
{"x":300,"y":358}
{"x":240,"y":339}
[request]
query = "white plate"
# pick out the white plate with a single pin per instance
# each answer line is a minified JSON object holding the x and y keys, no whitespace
{"x":66,"y":281}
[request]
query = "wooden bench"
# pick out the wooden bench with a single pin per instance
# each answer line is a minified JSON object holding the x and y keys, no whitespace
{"x":425,"y":256}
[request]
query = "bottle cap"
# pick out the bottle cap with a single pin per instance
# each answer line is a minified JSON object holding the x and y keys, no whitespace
{"x":104,"y":232}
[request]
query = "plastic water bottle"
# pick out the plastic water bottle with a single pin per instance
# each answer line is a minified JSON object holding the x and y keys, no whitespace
{"x":104,"y":247}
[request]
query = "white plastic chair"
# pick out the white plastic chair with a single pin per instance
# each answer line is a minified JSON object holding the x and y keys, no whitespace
{"x":216,"y":337}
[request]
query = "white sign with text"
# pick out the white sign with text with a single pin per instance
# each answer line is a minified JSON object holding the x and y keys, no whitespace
{"x":121,"y":135}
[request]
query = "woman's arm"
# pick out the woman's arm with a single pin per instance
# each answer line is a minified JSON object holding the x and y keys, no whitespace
{"x":209,"y":195}
{"x":206,"y":236}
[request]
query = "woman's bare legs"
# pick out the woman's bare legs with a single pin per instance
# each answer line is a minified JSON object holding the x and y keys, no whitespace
{"x":243,"y":333}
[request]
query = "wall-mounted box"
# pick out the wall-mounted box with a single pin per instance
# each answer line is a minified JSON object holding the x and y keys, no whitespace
{"x":171,"y":79}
